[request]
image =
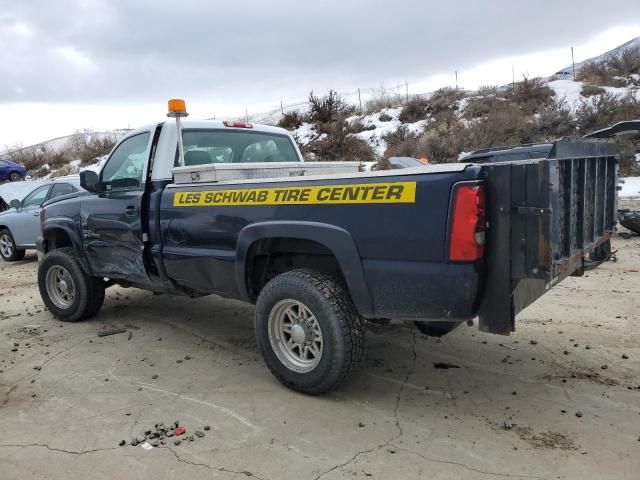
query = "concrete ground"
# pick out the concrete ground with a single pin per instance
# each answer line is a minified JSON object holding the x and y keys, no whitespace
{"x":68,"y":397}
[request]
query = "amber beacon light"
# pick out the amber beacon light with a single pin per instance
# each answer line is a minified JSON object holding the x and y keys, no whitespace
{"x":178,"y":109}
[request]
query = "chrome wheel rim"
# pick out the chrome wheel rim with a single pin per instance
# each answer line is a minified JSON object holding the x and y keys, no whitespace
{"x":6,"y":246}
{"x":295,"y":335}
{"x":60,"y":287}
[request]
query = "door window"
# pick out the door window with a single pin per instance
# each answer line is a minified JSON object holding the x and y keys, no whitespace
{"x":124,"y":168}
{"x":36,"y":198}
{"x":61,"y":189}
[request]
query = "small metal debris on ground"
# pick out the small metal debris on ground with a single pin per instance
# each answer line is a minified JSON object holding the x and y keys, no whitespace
{"x":180,"y":430}
{"x":506,"y":346}
{"x":115,"y":331}
{"x":444,"y":365}
{"x":507,"y":425}
{"x":146,"y":446}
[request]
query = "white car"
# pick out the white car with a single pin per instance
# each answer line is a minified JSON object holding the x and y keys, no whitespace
{"x":20,"y":223}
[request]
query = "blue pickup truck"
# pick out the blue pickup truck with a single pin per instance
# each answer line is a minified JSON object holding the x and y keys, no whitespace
{"x":321,"y":248}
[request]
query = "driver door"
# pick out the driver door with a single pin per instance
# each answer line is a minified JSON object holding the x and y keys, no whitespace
{"x":112,"y":219}
{"x":27,"y":218}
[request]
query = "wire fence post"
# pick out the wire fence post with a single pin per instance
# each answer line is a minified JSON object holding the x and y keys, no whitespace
{"x":406,"y":86}
{"x":360,"y":102}
{"x":281,"y":108}
{"x":573,"y":63}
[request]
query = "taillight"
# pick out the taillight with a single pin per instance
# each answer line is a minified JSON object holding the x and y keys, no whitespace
{"x":228,"y":123}
{"x":468,"y":224}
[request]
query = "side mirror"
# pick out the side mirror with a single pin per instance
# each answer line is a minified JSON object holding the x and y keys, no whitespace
{"x":89,"y":181}
{"x":15,"y":203}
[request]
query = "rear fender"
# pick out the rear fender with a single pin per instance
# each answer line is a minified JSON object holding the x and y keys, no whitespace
{"x":336,"y":239}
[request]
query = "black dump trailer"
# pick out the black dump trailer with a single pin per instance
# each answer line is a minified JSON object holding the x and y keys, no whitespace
{"x":544,"y":217}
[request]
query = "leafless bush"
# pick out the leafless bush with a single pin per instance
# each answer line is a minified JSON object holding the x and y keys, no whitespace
{"x":383,"y":98}
{"x":338,"y":145}
{"x":88,"y":145}
{"x":445,"y":99}
{"x":600,"y":111}
{"x":626,"y":63}
{"x":357,"y":126}
{"x":385,"y":117}
{"x":291,"y":120}
{"x":595,"y":73}
{"x":556,"y":120}
{"x":589,"y":90}
{"x":417,"y":108}
{"x":531,"y":94}
{"x":328,"y":108}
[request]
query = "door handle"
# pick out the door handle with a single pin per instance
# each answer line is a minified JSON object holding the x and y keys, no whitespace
{"x":131,"y":211}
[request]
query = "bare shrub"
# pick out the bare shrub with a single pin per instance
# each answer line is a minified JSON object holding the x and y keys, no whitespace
{"x":531,"y":94}
{"x":417,"y":108}
{"x":383,"y":98}
{"x":590,"y":90}
{"x":357,"y":126}
{"x":338,"y":145}
{"x":595,"y":73}
{"x":328,"y":108}
{"x":88,"y":145}
{"x":626,"y":63}
{"x":445,"y":99}
{"x":600,"y":111}
{"x":291,"y":120}
{"x":556,"y":120}
{"x":385,"y":117}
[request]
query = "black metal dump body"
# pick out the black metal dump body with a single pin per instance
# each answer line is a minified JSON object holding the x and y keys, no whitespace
{"x":544,"y":217}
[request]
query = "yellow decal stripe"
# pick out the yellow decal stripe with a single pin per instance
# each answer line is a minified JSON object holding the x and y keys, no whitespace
{"x":359,"y":193}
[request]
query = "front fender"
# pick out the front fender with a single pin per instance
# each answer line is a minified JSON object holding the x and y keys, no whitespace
{"x":336,"y":239}
{"x":69,"y":227}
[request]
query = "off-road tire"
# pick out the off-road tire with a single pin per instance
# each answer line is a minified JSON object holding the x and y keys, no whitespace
{"x":16,"y":254}
{"x":15,"y":177}
{"x":89,"y":291}
{"x":342,"y":329}
{"x":436,"y":328}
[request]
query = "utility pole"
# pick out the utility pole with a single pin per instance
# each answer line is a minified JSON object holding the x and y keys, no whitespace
{"x":281,"y":108}
{"x":360,"y":102}
{"x":456,"y":79}
{"x":406,"y":86}
{"x":573,"y":62}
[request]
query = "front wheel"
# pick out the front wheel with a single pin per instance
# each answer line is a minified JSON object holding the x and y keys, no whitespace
{"x":67,"y":291}
{"x":15,"y":177}
{"x":8,"y":249}
{"x":308,"y":330}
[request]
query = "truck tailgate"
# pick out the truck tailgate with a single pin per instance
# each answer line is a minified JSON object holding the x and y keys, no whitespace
{"x":544,"y":217}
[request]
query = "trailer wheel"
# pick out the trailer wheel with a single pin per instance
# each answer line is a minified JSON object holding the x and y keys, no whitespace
{"x":67,"y":291}
{"x":308,"y":330}
{"x":436,"y":328}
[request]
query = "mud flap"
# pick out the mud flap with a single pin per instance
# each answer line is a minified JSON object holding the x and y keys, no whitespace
{"x":544,"y":217}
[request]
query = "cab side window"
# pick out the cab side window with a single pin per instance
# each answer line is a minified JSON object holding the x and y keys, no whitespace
{"x":61,"y":189}
{"x":37,"y":197}
{"x":124,"y":168}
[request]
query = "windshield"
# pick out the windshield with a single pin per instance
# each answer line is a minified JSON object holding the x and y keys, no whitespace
{"x":203,"y":147}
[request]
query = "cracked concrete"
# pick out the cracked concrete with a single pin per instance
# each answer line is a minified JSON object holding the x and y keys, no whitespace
{"x":398,"y":418}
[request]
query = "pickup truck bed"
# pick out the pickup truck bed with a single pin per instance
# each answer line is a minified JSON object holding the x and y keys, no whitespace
{"x":319,"y":254}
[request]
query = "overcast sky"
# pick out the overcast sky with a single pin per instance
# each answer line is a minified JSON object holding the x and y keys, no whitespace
{"x":73,"y":64}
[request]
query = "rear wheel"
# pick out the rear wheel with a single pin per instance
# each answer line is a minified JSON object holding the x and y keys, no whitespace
{"x":308,"y":330}
{"x":15,"y":177}
{"x":435,"y":328}
{"x":67,"y":291}
{"x":8,"y":249}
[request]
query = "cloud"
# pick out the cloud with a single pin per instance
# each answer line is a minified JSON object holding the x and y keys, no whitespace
{"x":100,"y":51}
